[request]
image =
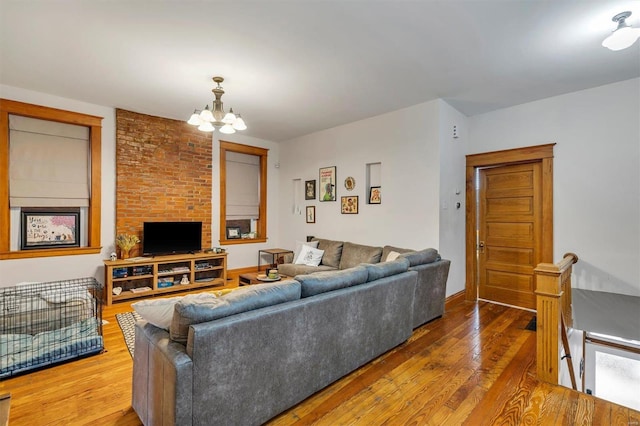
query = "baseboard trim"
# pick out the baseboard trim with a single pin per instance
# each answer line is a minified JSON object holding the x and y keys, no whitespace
{"x":454,"y":299}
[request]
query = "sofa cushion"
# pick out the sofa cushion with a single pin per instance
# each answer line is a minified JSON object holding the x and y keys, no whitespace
{"x":309,"y":256}
{"x":291,"y":270}
{"x":257,"y":296}
{"x":387,"y":250}
{"x":159,"y":312}
{"x":299,"y":244}
{"x":422,"y":257}
{"x":332,"y":251}
{"x":386,"y":269}
{"x":355,"y":254}
{"x":322,"y":282}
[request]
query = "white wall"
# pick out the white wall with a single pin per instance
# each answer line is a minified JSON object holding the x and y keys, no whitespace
{"x":596,"y":175}
{"x":406,"y":142}
{"x":452,"y":191}
{"x":245,"y":255}
{"x":65,"y":267}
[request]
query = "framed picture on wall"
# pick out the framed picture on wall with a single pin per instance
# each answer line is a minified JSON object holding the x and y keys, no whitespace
{"x":310,"y":189}
{"x":375,"y":195}
{"x":311,"y":214}
{"x":349,"y":205}
{"x":328,"y":183}
{"x":50,"y":228}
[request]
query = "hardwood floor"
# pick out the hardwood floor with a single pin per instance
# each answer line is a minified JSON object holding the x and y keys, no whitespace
{"x":474,"y":366}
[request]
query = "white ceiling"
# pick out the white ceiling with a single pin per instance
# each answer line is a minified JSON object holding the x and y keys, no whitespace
{"x":293,"y":68}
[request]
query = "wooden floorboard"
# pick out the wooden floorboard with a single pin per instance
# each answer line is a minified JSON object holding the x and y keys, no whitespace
{"x":474,"y":366}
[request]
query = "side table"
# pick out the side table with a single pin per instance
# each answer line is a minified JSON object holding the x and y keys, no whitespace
{"x":275,"y":253}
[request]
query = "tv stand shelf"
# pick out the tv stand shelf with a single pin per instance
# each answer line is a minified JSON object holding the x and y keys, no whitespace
{"x":163,"y":274}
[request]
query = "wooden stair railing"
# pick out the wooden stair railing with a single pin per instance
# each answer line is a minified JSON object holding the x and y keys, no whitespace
{"x":553,"y":304}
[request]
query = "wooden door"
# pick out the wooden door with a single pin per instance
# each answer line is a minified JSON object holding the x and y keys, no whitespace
{"x":509,"y":232}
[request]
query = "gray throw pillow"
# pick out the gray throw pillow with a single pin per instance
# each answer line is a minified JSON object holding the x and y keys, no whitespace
{"x":388,"y":249}
{"x":355,"y":254}
{"x":332,"y":252}
{"x":322,"y":282}
{"x":187,"y":312}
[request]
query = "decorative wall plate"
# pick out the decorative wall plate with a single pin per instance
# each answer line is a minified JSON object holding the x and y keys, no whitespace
{"x":349,"y":183}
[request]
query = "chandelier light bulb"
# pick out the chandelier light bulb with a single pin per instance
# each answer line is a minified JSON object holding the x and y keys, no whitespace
{"x":206,"y":126}
{"x":194,"y":120}
{"x":227,"y":129}
{"x":239,"y":123}
{"x":206,"y":115}
{"x":230,"y":117}
{"x":623,"y":36}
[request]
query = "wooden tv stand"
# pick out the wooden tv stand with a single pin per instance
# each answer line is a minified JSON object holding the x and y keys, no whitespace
{"x":162,"y":274}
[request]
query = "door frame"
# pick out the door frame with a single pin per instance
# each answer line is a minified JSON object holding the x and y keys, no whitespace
{"x":539,"y":153}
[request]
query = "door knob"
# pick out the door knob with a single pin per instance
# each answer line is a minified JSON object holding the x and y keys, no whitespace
{"x":481,"y":246}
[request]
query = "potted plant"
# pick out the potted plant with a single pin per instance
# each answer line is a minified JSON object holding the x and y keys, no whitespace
{"x":125,"y":242}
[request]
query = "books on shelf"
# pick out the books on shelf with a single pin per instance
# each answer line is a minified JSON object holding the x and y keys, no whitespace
{"x":140,"y":289}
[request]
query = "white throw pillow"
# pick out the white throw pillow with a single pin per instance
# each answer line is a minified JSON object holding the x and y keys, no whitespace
{"x":393,"y":255}
{"x":309,"y":256}
{"x":299,"y":245}
{"x":159,"y":312}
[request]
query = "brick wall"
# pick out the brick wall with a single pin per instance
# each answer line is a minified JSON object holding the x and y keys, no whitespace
{"x":163,"y":173}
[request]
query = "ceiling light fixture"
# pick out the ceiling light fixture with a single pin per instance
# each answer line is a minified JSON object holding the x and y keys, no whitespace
{"x":208,"y":119}
{"x":624,"y":35}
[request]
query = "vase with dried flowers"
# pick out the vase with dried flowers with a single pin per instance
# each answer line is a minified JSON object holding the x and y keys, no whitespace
{"x":125,"y":242}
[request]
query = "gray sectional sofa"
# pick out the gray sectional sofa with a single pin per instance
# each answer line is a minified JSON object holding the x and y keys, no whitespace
{"x":432,"y":271}
{"x":246,"y":356}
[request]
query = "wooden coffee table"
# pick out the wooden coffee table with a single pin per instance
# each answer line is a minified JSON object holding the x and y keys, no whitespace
{"x":251,"y":278}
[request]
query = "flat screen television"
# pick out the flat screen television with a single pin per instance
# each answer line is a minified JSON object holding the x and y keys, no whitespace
{"x":171,"y":238}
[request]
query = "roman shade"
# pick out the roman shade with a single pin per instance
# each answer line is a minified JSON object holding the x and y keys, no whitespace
{"x":242,"y":185}
{"x":48,"y":163}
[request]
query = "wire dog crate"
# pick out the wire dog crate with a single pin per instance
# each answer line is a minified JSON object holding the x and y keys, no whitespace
{"x":46,"y":323}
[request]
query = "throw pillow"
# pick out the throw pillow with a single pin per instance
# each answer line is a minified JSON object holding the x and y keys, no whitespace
{"x":299,"y":245}
{"x":159,"y":312}
{"x":355,"y":254}
{"x":332,"y":252}
{"x":393,"y":255}
{"x":309,"y":256}
{"x":388,"y":249}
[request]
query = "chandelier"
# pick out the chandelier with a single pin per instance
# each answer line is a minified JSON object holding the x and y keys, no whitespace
{"x":207,"y":118}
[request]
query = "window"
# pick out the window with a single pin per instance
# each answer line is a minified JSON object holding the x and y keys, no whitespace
{"x":83,"y":193}
{"x":243,"y":193}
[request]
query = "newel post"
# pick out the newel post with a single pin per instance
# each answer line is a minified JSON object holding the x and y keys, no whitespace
{"x":549,"y":310}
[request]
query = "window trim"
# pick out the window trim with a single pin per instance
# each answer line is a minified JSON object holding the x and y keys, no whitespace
{"x":262,"y":221}
{"x":94,"y":123}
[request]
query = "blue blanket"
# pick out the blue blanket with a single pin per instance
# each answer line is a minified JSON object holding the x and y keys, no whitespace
{"x":22,"y":352}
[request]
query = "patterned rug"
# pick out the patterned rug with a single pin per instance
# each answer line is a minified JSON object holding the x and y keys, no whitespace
{"x":127,"y":322}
